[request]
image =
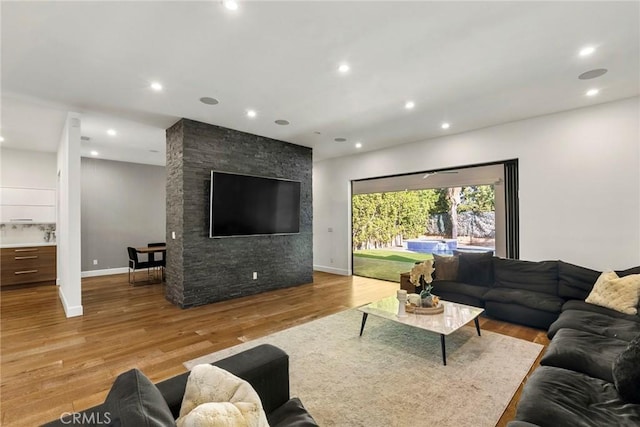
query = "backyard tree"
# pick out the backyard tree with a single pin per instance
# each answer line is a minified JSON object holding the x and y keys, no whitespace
{"x":451,"y":202}
{"x":453,"y":197}
{"x":379,"y":219}
{"x":414,"y":209}
{"x":477,"y":198}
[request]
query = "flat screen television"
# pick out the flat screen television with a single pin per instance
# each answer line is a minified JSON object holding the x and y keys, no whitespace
{"x":245,"y":205}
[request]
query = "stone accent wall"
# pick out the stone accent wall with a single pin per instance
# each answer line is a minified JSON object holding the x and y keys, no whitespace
{"x":201,"y":270}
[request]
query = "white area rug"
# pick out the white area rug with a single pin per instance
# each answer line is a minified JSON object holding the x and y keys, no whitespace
{"x":393,"y":375}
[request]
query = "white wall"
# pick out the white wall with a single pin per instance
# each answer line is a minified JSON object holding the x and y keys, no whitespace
{"x":31,"y":169}
{"x":68,"y":249}
{"x":579,"y":177}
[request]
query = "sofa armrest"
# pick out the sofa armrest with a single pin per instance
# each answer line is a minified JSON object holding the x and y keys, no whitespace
{"x":265,"y":367}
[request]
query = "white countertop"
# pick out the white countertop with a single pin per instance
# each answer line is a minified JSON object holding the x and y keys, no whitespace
{"x":24,"y":245}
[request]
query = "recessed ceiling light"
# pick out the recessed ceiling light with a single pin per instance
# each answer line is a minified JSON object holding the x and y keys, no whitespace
{"x":208,"y":100}
{"x":156,"y":86}
{"x":592,"y":92}
{"x":340,"y":139}
{"x":251,"y":113}
{"x":94,"y":153}
{"x":445,"y":125}
{"x":318,"y":133}
{"x":592,"y":74}
{"x":154,"y":151}
{"x":586,"y":51}
{"x":409,"y":105}
{"x":1,"y":139}
{"x":112,"y":132}
{"x":281,"y":122}
{"x":231,"y":4}
{"x":358,"y":145}
{"x":343,"y":68}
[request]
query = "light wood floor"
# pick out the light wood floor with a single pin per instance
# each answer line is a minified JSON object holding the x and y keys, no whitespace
{"x":51,"y":364}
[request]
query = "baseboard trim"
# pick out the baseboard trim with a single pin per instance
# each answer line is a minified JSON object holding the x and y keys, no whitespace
{"x":332,"y":270}
{"x":70,"y":311}
{"x":105,"y":272}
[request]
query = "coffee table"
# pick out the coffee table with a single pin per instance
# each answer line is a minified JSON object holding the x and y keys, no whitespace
{"x":453,"y":318}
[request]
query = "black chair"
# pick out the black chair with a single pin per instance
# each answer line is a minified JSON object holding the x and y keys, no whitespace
{"x":135,"y":264}
{"x":152,"y":254}
{"x":162,"y":262}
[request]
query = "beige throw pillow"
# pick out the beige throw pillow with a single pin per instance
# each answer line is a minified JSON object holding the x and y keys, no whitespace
{"x":620,"y":294}
{"x":216,"y":398}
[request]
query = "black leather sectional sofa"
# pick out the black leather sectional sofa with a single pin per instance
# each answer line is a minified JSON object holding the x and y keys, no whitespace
{"x":577,"y":383}
{"x":524,"y":292}
{"x":594,"y":351}
{"x":137,"y":402}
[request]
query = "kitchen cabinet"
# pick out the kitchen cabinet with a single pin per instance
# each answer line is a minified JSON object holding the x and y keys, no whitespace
{"x":27,"y":205}
{"x":29,"y":264}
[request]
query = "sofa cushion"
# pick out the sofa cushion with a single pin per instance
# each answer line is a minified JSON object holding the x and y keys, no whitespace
{"x":596,"y":323}
{"x":628,"y":271}
{"x":535,"y":300}
{"x":265,"y":367}
{"x":449,"y":286}
{"x":446,"y":267}
{"x":475,"y":268}
{"x":516,"y":313}
{"x":585,"y":306}
{"x":626,"y":372}
{"x":574,"y":350}
{"x":620,"y":294}
{"x":560,"y":397}
{"x":527,"y":275}
{"x":575,"y":281}
{"x":291,"y":414}
{"x":135,"y":401}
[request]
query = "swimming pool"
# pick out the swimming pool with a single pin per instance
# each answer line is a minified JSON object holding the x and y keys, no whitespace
{"x":441,"y":246}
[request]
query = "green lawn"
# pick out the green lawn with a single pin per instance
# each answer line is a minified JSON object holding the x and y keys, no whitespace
{"x":385,"y":264}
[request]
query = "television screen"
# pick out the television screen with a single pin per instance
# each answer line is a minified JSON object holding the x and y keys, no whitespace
{"x":243,"y":205}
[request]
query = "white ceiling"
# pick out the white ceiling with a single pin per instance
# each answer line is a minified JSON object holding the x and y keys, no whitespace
{"x":474,"y":64}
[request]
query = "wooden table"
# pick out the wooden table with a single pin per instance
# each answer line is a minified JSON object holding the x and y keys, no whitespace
{"x":151,"y":249}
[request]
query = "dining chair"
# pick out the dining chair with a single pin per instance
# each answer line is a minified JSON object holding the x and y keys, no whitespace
{"x":135,"y":264}
{"x":162,"y":262}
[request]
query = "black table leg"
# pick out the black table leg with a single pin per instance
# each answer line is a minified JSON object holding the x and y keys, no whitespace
{"x":477,"y":326}
{"x":444,"y":352}
{"x":364,"y":320}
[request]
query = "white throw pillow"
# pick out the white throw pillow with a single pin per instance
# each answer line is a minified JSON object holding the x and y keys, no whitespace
{"x":214,"y":397}
{"x":620,"y":294}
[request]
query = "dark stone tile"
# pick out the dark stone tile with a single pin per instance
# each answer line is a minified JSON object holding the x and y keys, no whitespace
{"x":201,"y":270}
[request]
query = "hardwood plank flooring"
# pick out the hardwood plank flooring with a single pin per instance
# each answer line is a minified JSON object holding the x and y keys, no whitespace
{"x":51,"y":364}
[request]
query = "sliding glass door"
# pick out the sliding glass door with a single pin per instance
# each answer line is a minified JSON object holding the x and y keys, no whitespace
{"x":399,"y":220}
